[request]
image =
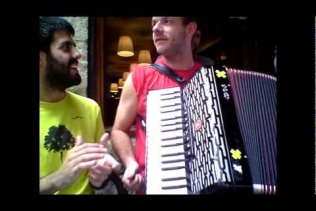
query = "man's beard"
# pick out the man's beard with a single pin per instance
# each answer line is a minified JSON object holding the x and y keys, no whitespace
{"x":173,"y":48}
{"x":58,"y":76}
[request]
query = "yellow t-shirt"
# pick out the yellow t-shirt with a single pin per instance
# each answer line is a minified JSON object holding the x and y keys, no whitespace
{"x":60,"y":123}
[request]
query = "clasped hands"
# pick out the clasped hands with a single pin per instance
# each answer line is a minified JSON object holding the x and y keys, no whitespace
{"x":101,"y":164}
{"x":103,"y":167}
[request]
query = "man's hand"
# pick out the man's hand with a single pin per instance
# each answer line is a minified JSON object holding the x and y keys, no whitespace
{"x":132,"y":179}
{"x":103,"y":168}
{"x":81,"y":157}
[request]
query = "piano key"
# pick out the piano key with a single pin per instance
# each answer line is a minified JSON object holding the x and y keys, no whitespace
{"x":167,"y":102}
{"x":174,"y":186}
{"x":172,"y":154}
{"x":176,"y":146}
{"x":176,"y":102}
{"x":169,"y":98}
{"x":171,"y":114}
{"x":165,"y":111}
{"x":172,"y":168}
{"x":171,"y":138}
{"x":170,"y":109}
{"x":172,"y":161}
{"x":172,"y":165}
{"x":169,"y":184}
{"x":172,"y":173}
{"x":171,"y":122}
{"x":176,"y":130}
{"x":166,"y":95}
{"x":171,"y":145}
{"x":170,"y":150}
{"x":167,"y":91}
{"x":173,"y":179}
{"x":173,"y":105}
{"x":170,"y":142}
{"x":170,"y":129}
{"x":175,"y":117}
{"x":168,"y":159}
{"x":168,"y":120}
{"x":174,"y":97}
{"x":171,"y":93}
{"x":176,"y":133}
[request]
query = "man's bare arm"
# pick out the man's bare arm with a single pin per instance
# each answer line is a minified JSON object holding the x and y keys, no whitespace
{"x":51,"y":184}
{"x":125,"y":117}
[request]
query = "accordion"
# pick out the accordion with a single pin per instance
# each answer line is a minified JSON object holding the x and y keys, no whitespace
{"x":216,"y":134}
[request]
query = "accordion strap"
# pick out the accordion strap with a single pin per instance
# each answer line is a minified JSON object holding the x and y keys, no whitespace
{"x":165,"y":70}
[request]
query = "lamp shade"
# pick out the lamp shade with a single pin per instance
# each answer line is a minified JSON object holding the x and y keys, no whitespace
{"x":120,"y":83}
{"x":144,"y":57}
{"x":114,"y":87}
{"x":125,"y":47}
{"x":223,"y":56}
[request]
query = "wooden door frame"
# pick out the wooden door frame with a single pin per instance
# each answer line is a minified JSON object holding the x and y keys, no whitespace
{"x":96,"y":58}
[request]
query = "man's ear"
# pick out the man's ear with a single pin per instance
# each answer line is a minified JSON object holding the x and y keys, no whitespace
{"x":192,"y":28}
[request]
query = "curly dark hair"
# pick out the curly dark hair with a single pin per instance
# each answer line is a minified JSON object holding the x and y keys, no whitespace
{"x":47,"y":27}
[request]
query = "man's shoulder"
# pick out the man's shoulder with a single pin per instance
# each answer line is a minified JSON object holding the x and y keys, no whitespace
{"x":142,"y":68}
{"x":82,"y":99}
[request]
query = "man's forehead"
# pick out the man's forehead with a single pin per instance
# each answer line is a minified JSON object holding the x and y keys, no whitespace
{"x":164,"y":17}
{"x":62,"y":36}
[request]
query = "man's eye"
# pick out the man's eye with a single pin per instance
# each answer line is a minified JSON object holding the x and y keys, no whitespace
{"x":66,"y":45}
{"x":167,"y":21}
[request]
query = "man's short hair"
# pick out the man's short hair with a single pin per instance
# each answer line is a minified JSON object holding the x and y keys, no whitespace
{"x":187,"y":20}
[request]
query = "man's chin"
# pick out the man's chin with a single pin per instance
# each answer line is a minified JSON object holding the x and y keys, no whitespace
{"x":160,"y":49}
{"x":74,"y":82}
{"x":76,"y":79}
